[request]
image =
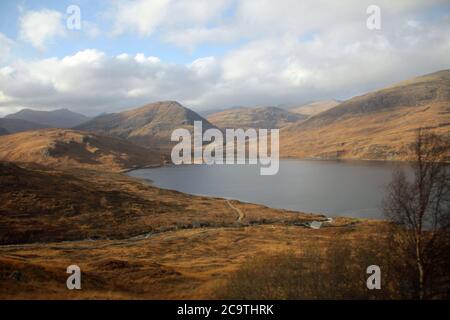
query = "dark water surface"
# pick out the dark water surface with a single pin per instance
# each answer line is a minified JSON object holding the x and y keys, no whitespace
{"x":350,"y":188}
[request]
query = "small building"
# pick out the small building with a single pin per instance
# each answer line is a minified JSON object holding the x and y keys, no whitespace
{"x":315,"y":224}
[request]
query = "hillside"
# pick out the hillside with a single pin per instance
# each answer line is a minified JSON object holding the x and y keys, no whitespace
{"x":17,"y":125}
{"x":43,"y":204}
{"x":311,"y":109}
{"x":61,"y":118}
{"x":69,"y":148}
{"x":378,"y":125}
{"x":150,"y":125}
{"x":260,"y":117}
{"x":163,"y":244}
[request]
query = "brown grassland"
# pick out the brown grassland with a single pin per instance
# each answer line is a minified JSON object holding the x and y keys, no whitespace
{"x":379,"y":125}
{"x":132,"y":240}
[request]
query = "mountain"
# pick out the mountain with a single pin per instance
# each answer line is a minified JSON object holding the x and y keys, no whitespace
{"x":377,"y":125}
{"x":207,"y":112}
{"x":65,"y":148}
{"x":3,"y":131}
{"x":150,"y":125}
{"x":259,"y":117}
{"x":17,"y":125}
{"x":61,"y":118}
{"x":314,"y":108}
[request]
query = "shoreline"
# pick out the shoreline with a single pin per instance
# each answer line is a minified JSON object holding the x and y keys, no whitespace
{"x":151,"y":182}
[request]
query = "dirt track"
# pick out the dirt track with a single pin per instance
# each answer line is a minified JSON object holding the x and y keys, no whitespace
{"x":241,"y":214}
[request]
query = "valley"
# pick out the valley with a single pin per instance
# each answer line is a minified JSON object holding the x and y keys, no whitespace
{"x":65,"y":198}
{"x":184,"y":264}
{"x":132,"y":240}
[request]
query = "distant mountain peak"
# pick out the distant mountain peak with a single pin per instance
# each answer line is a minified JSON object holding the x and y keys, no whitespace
{"x":380,"y":124}
{"x":254,"y":117}
{"x":421,"y":90}
{"x":148,"y":125}
{"x":316,"y":107}
{"x":59,"y":118}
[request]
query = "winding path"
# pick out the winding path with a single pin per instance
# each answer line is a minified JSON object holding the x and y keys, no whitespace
{"x":241,"y":215}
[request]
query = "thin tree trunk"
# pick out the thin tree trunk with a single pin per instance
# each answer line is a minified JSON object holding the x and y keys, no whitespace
{"x":420,"y":269}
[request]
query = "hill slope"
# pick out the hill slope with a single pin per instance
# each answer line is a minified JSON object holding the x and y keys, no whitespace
{"x":18,"y":125}
{"x":260,"y":117}
{"x":70,"y":148}
{"x":377,"y":125}
{"x":311,"y":109}
{"x":41,"y":204}
{"x":61,"y":118}
{"x":150,"y":125}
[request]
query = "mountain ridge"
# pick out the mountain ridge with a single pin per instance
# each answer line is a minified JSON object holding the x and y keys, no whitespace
{"x":59,"y":118}
{"x":18,"y":125}
{"x":377,"y":125}
{"x":66,"y":148}
{"x":316,"y":107}
{"x":256,"y":117}
{"x":148,"y":125}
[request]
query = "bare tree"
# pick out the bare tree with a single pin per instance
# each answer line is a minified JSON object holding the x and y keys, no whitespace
{"x":418,"y":204}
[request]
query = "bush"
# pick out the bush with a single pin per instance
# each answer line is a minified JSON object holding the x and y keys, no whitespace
{"x":337,"y":271}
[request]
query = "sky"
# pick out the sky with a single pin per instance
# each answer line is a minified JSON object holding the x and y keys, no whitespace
{"x":212,"y":54}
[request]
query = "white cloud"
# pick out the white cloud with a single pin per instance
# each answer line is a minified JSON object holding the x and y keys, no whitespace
{"x":255,"y":19}
{"x":141,"y":58}
{"x":39,"y":27}
{"x":146,"y":16}
{"x":92,"y":82}
{"x":92,"y":30}
{"x":288,"y":52}
{"x":141,"y":16}
{"x":336,"y":63}
{"x":6,"y":45}
{"x":204,"y":67}
{"x":89,"y":57}
{"x":191,"y":38}
{"x":196,"y":12}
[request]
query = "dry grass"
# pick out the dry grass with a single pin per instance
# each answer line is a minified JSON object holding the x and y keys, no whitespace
{"x":381,"y":136}
{"x":259,"y":117}
{"x":334,"y":270}
{"x":379,"y":125}
{"x":41,"y":205}
{"x":183,"y":264}
{"x":194,"y":245}
{"x":62,"y":148}
{"x":314,"y":108}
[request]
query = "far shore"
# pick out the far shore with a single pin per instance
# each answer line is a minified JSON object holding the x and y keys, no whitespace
{"x":168,"y":165}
